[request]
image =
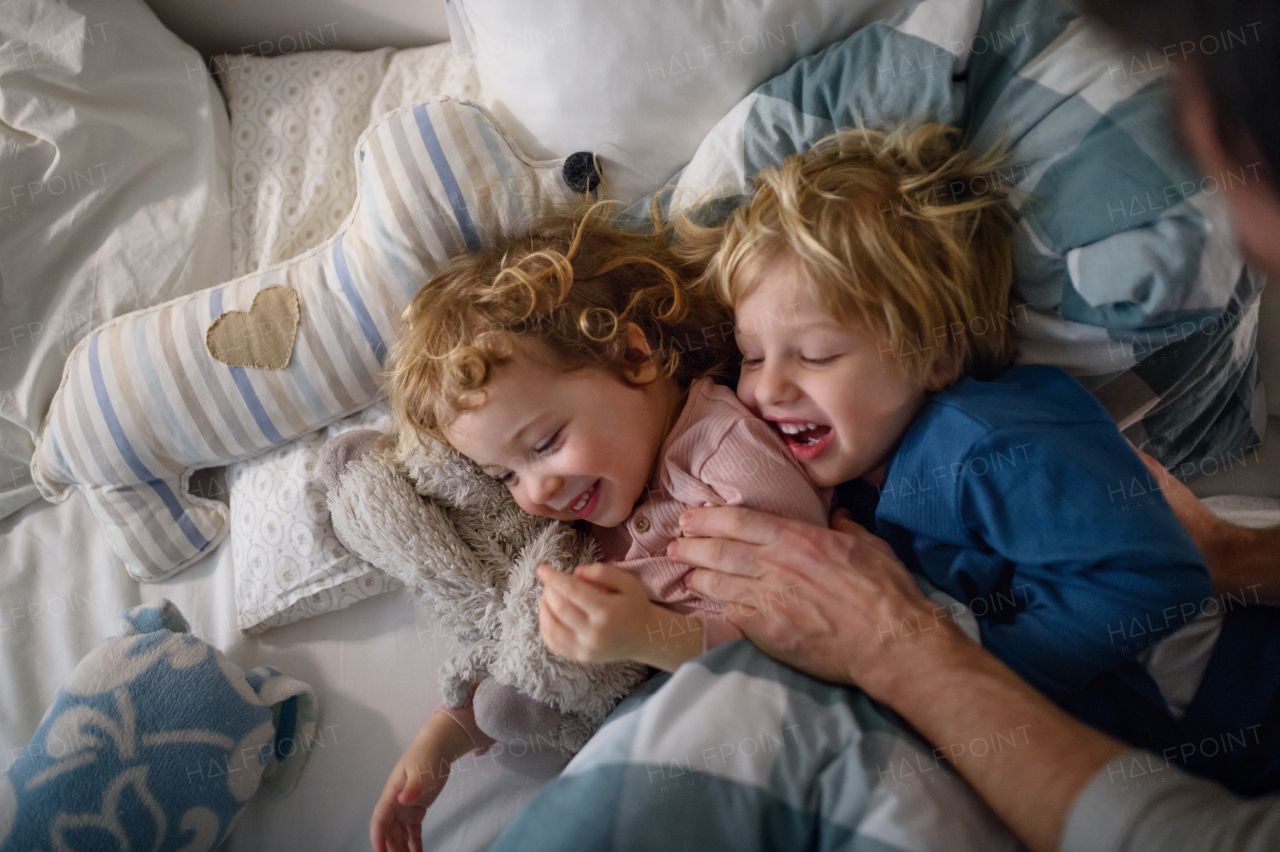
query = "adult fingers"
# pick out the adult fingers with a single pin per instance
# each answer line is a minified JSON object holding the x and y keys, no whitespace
{"x":722,"y":554}
{"x":733,"y":522}
{"x":841,"y":522}
{"x":721,"y":586}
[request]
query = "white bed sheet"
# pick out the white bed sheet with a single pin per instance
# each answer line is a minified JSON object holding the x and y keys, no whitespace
{"x":373,"y":667}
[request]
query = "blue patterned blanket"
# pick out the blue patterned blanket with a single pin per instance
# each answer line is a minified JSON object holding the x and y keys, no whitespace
{"x":157,"y":741}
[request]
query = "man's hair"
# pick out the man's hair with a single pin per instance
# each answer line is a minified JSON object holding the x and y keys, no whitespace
{"x":905,"y":231}
{"x":564,"y":293}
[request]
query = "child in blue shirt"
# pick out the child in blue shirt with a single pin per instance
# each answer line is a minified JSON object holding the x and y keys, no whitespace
{"x":870,"y":279}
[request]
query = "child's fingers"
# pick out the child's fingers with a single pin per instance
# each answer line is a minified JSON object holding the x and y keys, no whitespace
{"x":566,"y":604}
{"x":583,"y":577}
{"x":568,"y":600}
{"x":382,"y":827}
{"x":585,"y":595}
{"x":560,"y":639}
{"x":601,"y":575}
{"x":383,"y":823}
{"x":377,"y":834}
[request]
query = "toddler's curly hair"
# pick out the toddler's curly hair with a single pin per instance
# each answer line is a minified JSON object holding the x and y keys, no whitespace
{"x":904,"y":230}
{"x":564,"y":292}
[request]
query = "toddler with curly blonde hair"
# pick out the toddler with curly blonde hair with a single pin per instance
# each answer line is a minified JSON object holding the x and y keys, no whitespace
{"x":575,"y":364}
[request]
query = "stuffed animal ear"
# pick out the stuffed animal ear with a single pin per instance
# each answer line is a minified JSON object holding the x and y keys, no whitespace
{"x":341,"y":450}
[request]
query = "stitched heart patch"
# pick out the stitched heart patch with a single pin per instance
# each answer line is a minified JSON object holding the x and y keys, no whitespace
{"x":262,"y":336}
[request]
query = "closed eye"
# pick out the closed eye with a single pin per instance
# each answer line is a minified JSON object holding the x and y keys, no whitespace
{"x":819,"y":361}
{"x":549,"y":444}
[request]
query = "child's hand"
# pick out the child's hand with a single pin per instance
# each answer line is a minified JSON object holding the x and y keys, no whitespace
{"x":598,"y":614}
{"x":416,"y":780}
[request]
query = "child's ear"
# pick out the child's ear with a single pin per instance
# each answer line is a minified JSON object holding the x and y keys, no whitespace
{"x":641,"y":367}
{"x":943,"y":374}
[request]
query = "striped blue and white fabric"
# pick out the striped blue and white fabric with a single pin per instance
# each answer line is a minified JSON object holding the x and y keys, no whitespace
{"x":143,"y":403}
{"x":1127,"y":272}
{"x":736,"y":751}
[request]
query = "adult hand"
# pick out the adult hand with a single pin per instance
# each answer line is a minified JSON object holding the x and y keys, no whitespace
{"x":1241,"y":561}
{"x":835,"y":602}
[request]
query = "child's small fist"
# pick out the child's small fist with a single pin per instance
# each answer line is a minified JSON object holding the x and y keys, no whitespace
{"x":596,"y":615}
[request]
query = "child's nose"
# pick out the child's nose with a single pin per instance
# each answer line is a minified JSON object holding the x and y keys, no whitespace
{"x":543,"y":488}
{"x":775,"y":386}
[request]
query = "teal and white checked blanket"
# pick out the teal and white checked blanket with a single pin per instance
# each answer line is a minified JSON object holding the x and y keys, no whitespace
{"x":1127,"y":272}
{"x":735,"y":751}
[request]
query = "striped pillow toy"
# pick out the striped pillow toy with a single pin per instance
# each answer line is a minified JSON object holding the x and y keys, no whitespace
{"x":143,"y":401}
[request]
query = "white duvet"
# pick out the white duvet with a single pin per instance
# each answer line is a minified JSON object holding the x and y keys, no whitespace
{"x":115,"y":154}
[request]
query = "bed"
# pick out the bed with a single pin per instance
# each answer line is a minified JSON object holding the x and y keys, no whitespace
{"x":205,"y":181}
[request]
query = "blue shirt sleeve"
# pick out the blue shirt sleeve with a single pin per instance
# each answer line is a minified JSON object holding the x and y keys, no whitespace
{"x":1075,"y":539}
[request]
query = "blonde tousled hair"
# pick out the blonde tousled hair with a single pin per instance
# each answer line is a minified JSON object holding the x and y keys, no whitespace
{"x":563,"y":292}
{"x":903,"y":230}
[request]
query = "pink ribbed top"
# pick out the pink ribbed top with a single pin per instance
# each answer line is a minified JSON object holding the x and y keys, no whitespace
{"x":716,"y":454}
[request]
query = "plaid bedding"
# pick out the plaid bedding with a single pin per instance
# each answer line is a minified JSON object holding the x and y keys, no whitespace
{"x":737,"y":751}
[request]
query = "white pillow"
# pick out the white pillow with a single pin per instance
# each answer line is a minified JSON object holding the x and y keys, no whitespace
{"x":640,"y":84}
{"x":288,"y":560}
{"x":418,"y":73}
{"x":294,"y":123}
{"x":115,"y":153}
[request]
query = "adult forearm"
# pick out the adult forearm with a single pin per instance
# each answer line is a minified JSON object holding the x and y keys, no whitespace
{"x":1244,"y":561}
{"x":1027,"y":758}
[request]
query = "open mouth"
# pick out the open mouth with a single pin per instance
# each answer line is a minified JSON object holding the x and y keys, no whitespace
{"x":586,"y":502}
{"x":805,"y":434}
{"x":806,"y":441}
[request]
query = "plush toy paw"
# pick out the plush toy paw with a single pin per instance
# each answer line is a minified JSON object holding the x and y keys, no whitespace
{"x":508,"y":715}
{"x":342,"y":450}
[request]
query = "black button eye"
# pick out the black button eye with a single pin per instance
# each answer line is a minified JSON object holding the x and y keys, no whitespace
{"x":582,"y":172}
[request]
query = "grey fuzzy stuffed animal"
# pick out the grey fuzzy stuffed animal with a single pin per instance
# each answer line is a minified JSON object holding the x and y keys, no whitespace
{"x":425,"y":514}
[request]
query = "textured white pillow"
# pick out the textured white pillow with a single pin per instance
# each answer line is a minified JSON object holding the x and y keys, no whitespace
{"x":640,"y":84}
{"x":114,"y":155}
{"x":295,"y":121}
{"x":289,"y":563}
{"x":423,"y":72}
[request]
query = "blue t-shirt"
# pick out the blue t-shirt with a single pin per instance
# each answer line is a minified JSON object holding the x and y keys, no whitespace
{"x":1020,"y":498}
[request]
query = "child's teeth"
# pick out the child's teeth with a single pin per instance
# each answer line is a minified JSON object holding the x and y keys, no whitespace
{"x":582,"y":501}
